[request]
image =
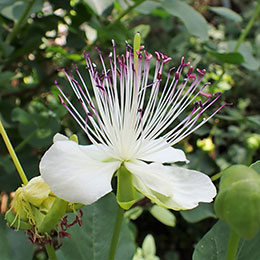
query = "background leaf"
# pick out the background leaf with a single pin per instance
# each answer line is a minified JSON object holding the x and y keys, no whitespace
{"x":92,"y":240}
{"x":14,"y":245}
{"x":214,"y":244}
{"x":193,"y":21}
{"x":204,"y":210}
{"x":226,"y":13}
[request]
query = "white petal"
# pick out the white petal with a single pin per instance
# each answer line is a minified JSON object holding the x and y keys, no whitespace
{"x":60,"y":137}
{"x":188,"y":187}
{"x":151,"y":176}
{"x":160,"y":151}
{"x":73,"y":175}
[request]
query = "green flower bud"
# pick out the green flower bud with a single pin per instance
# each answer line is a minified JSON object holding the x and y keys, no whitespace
{"x":238,"y":200}
{"x":35,"y":206}
{"x":253,"y":141}
{"x":206,"y":144}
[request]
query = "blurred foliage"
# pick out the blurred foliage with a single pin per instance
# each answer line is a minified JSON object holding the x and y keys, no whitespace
{"x":38,"y":37}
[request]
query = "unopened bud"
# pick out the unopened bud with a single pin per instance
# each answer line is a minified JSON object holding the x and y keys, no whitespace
{"x":238,"y":200}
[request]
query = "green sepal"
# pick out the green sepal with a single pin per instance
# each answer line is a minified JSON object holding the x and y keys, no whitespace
{"x":72,"y":207}
{"x":13,"y":221}
{"x":53,"y":216}
{"x":126,"y":194}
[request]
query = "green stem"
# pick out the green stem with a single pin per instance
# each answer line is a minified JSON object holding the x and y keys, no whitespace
{"x":248,"y":27}
{"x":232,"y":246}
{"x":216,"y":176}
{"x":115,"y":238}
{"x":51,"y":252}
{"x":13,"y":154}
{"x":25,"y":141}
{"x":19,"y":23}
{"x":128,"y":10}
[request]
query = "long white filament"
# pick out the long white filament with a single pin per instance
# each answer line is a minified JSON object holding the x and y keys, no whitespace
{"x":123,"y":109}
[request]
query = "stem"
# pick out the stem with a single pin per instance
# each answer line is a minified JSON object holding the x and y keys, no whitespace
{"x":13,"y":154}
{"x":51,"y":252}
{"x":115,"y":238}
{"x":128,"y":10}
{"x":25,"y":141}
{"x":232,"y":246}
{"x":17,"y":27}
{"x":216,"y":176}
{"x":248,"y":27}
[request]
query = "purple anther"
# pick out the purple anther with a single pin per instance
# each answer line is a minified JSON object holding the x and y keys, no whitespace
{"x":148,"y":56}
{"x":186,"y":64}
{"x":217,"y":94}
{"x":201,"y":72}
{"x":123,"y":58}
{"x":158,"y":57}
{"x":177,"y":75}
{"x":182,"y":60}
{"x":141,"y":112}
{"x":159,"y":76}
{"x":140,"y":56}
{"x":200,"y":103}
{"x":86,"y":55}
{"x":190,"y":71}
{"x":98,"y":50}
{"x":100,"y":87}
{"x":205,"y":94}
{"x":141,"y":47}
{"x":92,"y":106}
{"x":75,"y":66}
{"x":165,"y":60}
{"x":192,"y":76}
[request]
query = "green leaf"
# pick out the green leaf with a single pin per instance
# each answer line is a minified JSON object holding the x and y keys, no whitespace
{"x":254,"y":120}
{"x":214,"y":244}
{"x":99,"y":7}
{"x":193,"y":21}
{"x":92,"y":240}
{"x":250,"y":62}
{"x":164,"y":215}
{"x":147,"y":7}
{"x":226,"y":13}
{"x":21,"y":116}
{"x":204,"y":210}
{"x":16,"y":9}
{"x":228,"y":57}
{"x":246,"y":50}
{"x":256,"y":166}
{"x":126,"y":194}
{"x":14,"y":245}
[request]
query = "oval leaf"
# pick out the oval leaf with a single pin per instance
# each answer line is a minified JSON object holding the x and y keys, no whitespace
{"x":228,"y":57}
{"x":193,"y":21}
{"x":204,"y":210}
{"x":226,"y":13}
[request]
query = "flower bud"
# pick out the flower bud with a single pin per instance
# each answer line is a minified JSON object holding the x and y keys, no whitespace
{"x":253,"y":141}
{"x":206,"y":144}
{"x":238,"y":200}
